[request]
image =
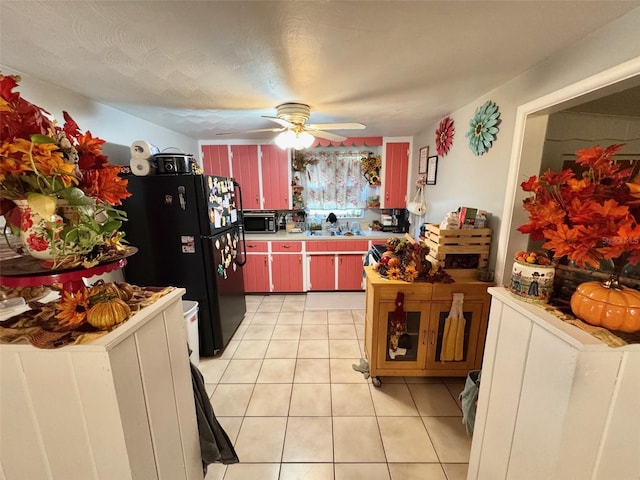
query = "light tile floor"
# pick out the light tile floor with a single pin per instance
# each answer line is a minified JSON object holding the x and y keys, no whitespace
{"x":285,"y":392}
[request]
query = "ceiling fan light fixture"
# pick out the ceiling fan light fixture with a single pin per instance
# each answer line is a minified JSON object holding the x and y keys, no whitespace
{"x":303,"y":140}
{"x":285,"y":139}
{"x":291,"y":139}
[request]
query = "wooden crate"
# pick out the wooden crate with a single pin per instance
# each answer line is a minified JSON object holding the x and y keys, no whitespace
{"x":448,"y":246}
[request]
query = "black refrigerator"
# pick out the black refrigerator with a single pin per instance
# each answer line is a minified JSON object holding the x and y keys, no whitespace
{"x":188,"y":231}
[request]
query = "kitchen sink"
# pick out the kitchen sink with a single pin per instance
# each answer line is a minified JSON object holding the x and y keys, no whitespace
{"x":324,"y":233}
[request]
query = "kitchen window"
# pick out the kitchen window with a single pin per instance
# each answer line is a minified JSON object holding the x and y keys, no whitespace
{"x":339,"y":213}
{"x":335,"y":181}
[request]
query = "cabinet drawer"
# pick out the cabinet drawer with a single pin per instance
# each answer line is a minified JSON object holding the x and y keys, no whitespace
{"x":337,"y":246}
{"x":444,"y":291}
{"x":353,"y":245}
{"x":417,"y":291}
{"x":255,"y":246}
{"x":286,"y":246}
{"x":321,"y":246}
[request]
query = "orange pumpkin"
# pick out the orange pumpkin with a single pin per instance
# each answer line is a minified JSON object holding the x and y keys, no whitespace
{"x":607,"y":307}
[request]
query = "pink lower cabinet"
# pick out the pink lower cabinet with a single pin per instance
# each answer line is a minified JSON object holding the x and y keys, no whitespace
{"x":256,"y":270}
{"x":256,"y":273}
{"x":286,"y":267}
{"x":350,"y":271}
{"x":336,"y":264}
{"x":322,"y":274}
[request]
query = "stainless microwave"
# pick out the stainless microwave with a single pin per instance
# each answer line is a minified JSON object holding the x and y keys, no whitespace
{"x":259,"y":222}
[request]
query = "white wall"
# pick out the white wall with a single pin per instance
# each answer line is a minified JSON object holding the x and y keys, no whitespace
{"x":465,"y":179}
{"x":571,"y":131}
{"x":119,"y":129}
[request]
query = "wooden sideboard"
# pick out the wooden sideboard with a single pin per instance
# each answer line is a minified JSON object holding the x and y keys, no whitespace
{"x":120,"y":407}
{"x":555,"y":403}
{"x":427,"y":306}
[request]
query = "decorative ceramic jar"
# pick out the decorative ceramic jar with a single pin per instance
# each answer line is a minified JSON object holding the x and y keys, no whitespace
{"x":36,"y":232}
{"x":50,"y":239}
{"x":532,"y":282}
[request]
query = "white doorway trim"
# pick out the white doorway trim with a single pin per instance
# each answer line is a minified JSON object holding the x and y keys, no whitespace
{"x":510,"y":239}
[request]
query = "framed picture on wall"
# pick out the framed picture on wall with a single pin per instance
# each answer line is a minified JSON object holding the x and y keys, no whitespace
{"x":432,"y":169}
{"x":422,"y":162}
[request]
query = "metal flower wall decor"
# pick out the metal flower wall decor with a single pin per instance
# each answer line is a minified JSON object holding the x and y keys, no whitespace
{"x":444,"y":136}
{"x":483,"y":128}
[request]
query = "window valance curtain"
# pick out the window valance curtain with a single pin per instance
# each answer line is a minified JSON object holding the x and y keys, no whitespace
{"x":349,"y":142}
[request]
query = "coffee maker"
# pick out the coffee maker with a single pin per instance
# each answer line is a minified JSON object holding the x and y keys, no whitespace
{"x":395,"y":220}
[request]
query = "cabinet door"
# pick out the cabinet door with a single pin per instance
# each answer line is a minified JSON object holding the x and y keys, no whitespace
{"x":410,"y":354}
{"x":215,"y":160}
{"x":244,"y":162}
{"x":350,"y":270}
{"x":396,"y":168}
{"x":256,"y":273}
{"x":275,"y":178}
{"x":322,"y":272}
{"x":286,"y":272}
{"x":439,"y":355}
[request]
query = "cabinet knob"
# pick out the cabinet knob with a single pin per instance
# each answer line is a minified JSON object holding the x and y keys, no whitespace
{"x":286,"y":246}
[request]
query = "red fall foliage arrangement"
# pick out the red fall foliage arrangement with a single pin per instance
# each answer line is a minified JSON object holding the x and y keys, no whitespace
{"x":52,"y":168}
{"x":588,"y":219}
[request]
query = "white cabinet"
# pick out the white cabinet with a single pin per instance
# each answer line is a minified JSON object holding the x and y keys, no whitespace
{"x":121,"y":407}
{"x":555,"y":403}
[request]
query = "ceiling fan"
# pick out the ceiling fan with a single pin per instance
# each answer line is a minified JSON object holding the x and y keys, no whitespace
{"x":294,"y":132}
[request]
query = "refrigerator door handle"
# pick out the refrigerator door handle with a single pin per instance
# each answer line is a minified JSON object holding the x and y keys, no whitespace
{"x":241,"y":217}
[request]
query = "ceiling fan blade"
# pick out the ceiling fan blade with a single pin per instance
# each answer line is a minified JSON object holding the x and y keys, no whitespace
{"x":329,"y":136}
{"x":274,"y":129}
{"x":335,"y":126}
{"x":281,"y":121}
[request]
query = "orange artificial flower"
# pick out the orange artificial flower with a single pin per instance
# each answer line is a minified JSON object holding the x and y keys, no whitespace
{"x":90,"y":152}
{"x":410,"y":273}
{"x":394,"y":273}
{"x":73,"y":307}
{"x":105,"y":184}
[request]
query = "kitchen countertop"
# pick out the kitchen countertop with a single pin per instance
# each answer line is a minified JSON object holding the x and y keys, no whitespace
{"x":281,"y":235}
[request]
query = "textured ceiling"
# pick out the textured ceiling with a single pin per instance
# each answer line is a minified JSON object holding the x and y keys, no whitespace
{"x":206,"y":67}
